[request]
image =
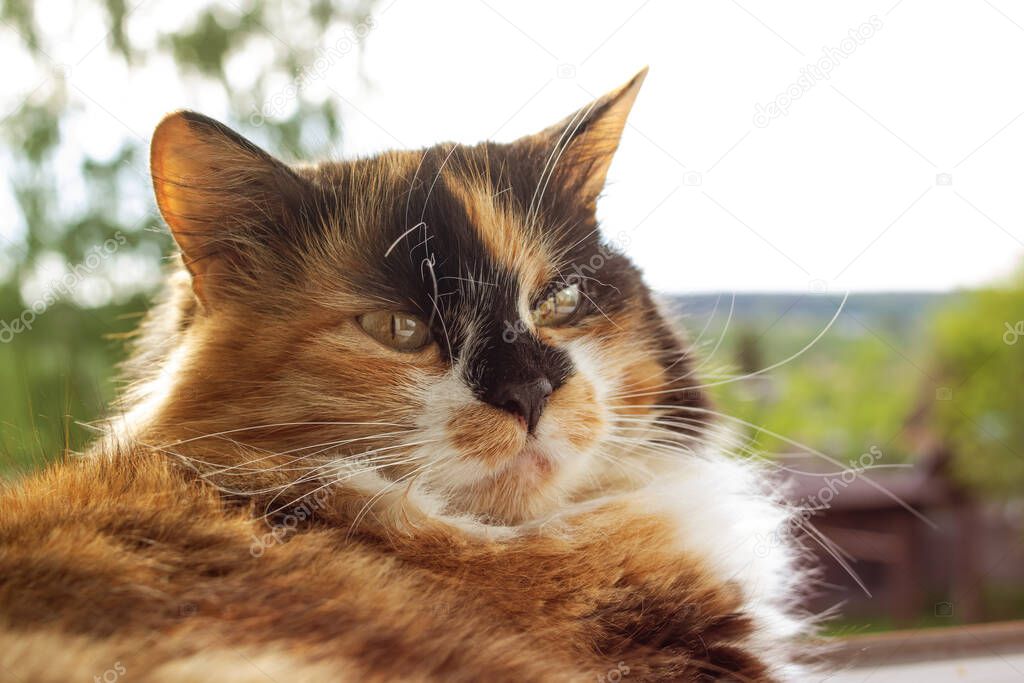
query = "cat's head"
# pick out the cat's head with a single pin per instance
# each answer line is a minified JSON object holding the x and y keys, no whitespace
{"x":447,"y":318}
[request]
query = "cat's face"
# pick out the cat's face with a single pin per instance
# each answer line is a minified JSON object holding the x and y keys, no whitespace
{"x":446,"y":318}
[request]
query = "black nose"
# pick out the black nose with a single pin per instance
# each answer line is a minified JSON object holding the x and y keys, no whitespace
{"x":524,"y":399}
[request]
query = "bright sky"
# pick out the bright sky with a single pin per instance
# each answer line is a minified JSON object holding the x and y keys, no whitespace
{"x":899,"y":168}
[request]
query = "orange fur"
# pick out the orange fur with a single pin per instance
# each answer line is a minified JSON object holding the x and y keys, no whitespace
{"x":145,"y":565}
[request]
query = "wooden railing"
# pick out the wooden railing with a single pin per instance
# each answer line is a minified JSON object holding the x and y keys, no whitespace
{"x":926,"y":645}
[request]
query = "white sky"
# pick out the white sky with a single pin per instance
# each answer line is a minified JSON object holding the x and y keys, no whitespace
{"x":839,"y":193}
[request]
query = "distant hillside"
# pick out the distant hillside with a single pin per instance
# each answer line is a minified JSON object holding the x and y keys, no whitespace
{"x":897,"y":312}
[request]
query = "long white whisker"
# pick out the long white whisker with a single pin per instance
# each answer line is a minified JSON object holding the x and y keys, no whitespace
{"x":360,"y":470}
{"x":325,"y":446}
{"x":889,"y":494}
{"x":284,"y":424}
{"x":748,"y":375}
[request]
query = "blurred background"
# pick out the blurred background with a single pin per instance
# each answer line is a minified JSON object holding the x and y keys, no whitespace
{"x":780,"y":161}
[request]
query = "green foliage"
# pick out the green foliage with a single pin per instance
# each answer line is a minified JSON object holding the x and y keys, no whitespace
{"x":847,"y":393}
{"x":979,"y":360}
{"x":68,"y":203}
{"x":57,"y":376}
{"x":898,"y":372}
{"x":852,"y":390}
{"x":33,"y":132}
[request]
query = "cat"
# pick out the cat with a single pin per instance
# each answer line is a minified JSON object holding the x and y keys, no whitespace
{"x":402,"y":417}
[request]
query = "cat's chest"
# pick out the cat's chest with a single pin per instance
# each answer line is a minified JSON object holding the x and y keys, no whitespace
{"x":618,"y":590}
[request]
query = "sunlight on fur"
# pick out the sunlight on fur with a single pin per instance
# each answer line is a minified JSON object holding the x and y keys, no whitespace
{"x":497,"y":450}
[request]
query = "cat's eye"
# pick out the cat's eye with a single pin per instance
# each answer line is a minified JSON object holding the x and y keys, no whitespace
{"x":400,"y":331}
{"x":557,"y":308}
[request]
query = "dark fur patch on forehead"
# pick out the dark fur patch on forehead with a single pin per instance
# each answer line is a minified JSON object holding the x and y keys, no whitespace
{"x":413,"y":203}
{"x":406,"y":214}
{"x":416,"y":240}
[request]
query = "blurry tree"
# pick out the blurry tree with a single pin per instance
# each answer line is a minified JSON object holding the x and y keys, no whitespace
{"x":843,"y":396}
{"x":33,"y":132}
{"x":979,"y":406}
{"x":748,"y":351}
{"x":61,"y":202}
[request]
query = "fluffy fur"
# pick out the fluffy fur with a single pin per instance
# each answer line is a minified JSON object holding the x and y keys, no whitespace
{"x":283,"y":496}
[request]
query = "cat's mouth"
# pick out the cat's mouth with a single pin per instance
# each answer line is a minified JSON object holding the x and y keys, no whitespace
{"x":502,"y":469}
{"x":532,"y":460}
{"x":512,"y":492}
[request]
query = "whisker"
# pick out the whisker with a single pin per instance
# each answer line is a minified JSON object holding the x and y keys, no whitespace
{"x":889,"y":494}
{"x":358,"y":471}
{"x":773,"y":366}
{"x":286,"y":424}
{"x":834,"y":551}
{"x":380,"y":494}
{"x":323,"y":447}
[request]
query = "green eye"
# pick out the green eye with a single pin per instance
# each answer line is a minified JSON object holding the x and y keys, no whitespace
{"x":557,"y":308}
{"x":400,"y":331}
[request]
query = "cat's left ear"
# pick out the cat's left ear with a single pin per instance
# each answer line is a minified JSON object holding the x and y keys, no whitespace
{"x":582,"y":146}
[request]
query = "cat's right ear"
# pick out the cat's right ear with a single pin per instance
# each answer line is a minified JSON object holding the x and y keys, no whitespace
{"x":227,"y":202}
{"x":580,"y":148}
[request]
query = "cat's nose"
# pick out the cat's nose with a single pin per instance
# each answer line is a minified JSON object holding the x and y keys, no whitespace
{"x":523,"y":399}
